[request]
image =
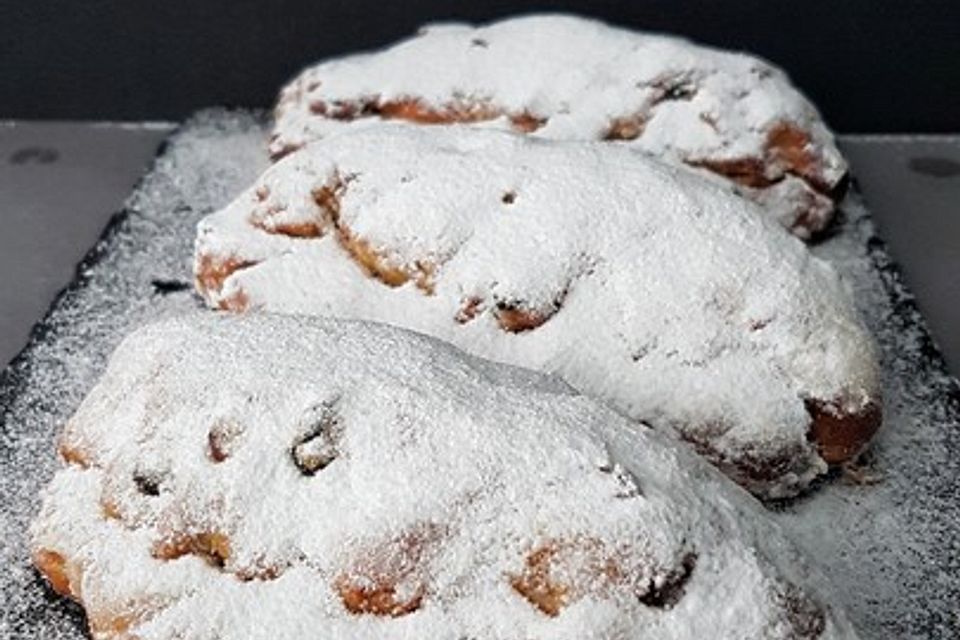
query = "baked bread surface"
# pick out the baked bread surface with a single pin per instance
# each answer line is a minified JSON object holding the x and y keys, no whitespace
{"x":733,"y":117}
{"x":632,"y":280}
{"x":283,"y":477}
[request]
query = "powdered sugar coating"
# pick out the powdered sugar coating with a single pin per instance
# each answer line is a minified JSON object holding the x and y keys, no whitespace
{"x":735,"y":116}
{"x":632,"y":280}
{"x":484,"y":463}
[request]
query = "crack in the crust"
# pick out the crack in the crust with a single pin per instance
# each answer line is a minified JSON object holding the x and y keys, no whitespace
{"x":459,"y":110}
{"x":371,"y":261}
{"x":786,"y":149}
{"x":514,"y":315}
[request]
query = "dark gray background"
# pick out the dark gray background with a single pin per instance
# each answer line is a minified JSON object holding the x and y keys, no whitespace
{"x":871,"y":65}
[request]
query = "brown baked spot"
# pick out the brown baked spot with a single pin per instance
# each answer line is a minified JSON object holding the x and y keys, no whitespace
{"x":508,"y":197}
{"x":371,"y":260}
{"x":536,"y":584}
{"x":839,"y":434}
{"x":414,"y":110}
{"x":526,"y":122}
{"x":54,"y":568}
{"x":379,"y":599}
{"x":518,"y":320}
{"x":213,"y":547}
{"x":73,"y":455}
{"x":390,"y":580}
{"x":626,"y":127}
{"x":212,"y":270}
{"x":470,"y":308}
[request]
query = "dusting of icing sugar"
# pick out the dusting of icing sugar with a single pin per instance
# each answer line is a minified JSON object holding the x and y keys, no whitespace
{"x":461,"y":499}
{"x":733,"y":116}
{"x":858,"y":535}
{"x":632,"y":280}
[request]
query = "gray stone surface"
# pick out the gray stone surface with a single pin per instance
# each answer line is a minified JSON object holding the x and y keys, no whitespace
{"x":59,"y":184}
{"x":911,"y":184}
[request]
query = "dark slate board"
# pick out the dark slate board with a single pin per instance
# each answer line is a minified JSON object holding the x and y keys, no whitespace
{"x":892,"y":548}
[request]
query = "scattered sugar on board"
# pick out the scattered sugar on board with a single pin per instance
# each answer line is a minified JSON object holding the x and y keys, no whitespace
{"x":891,"y":548}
